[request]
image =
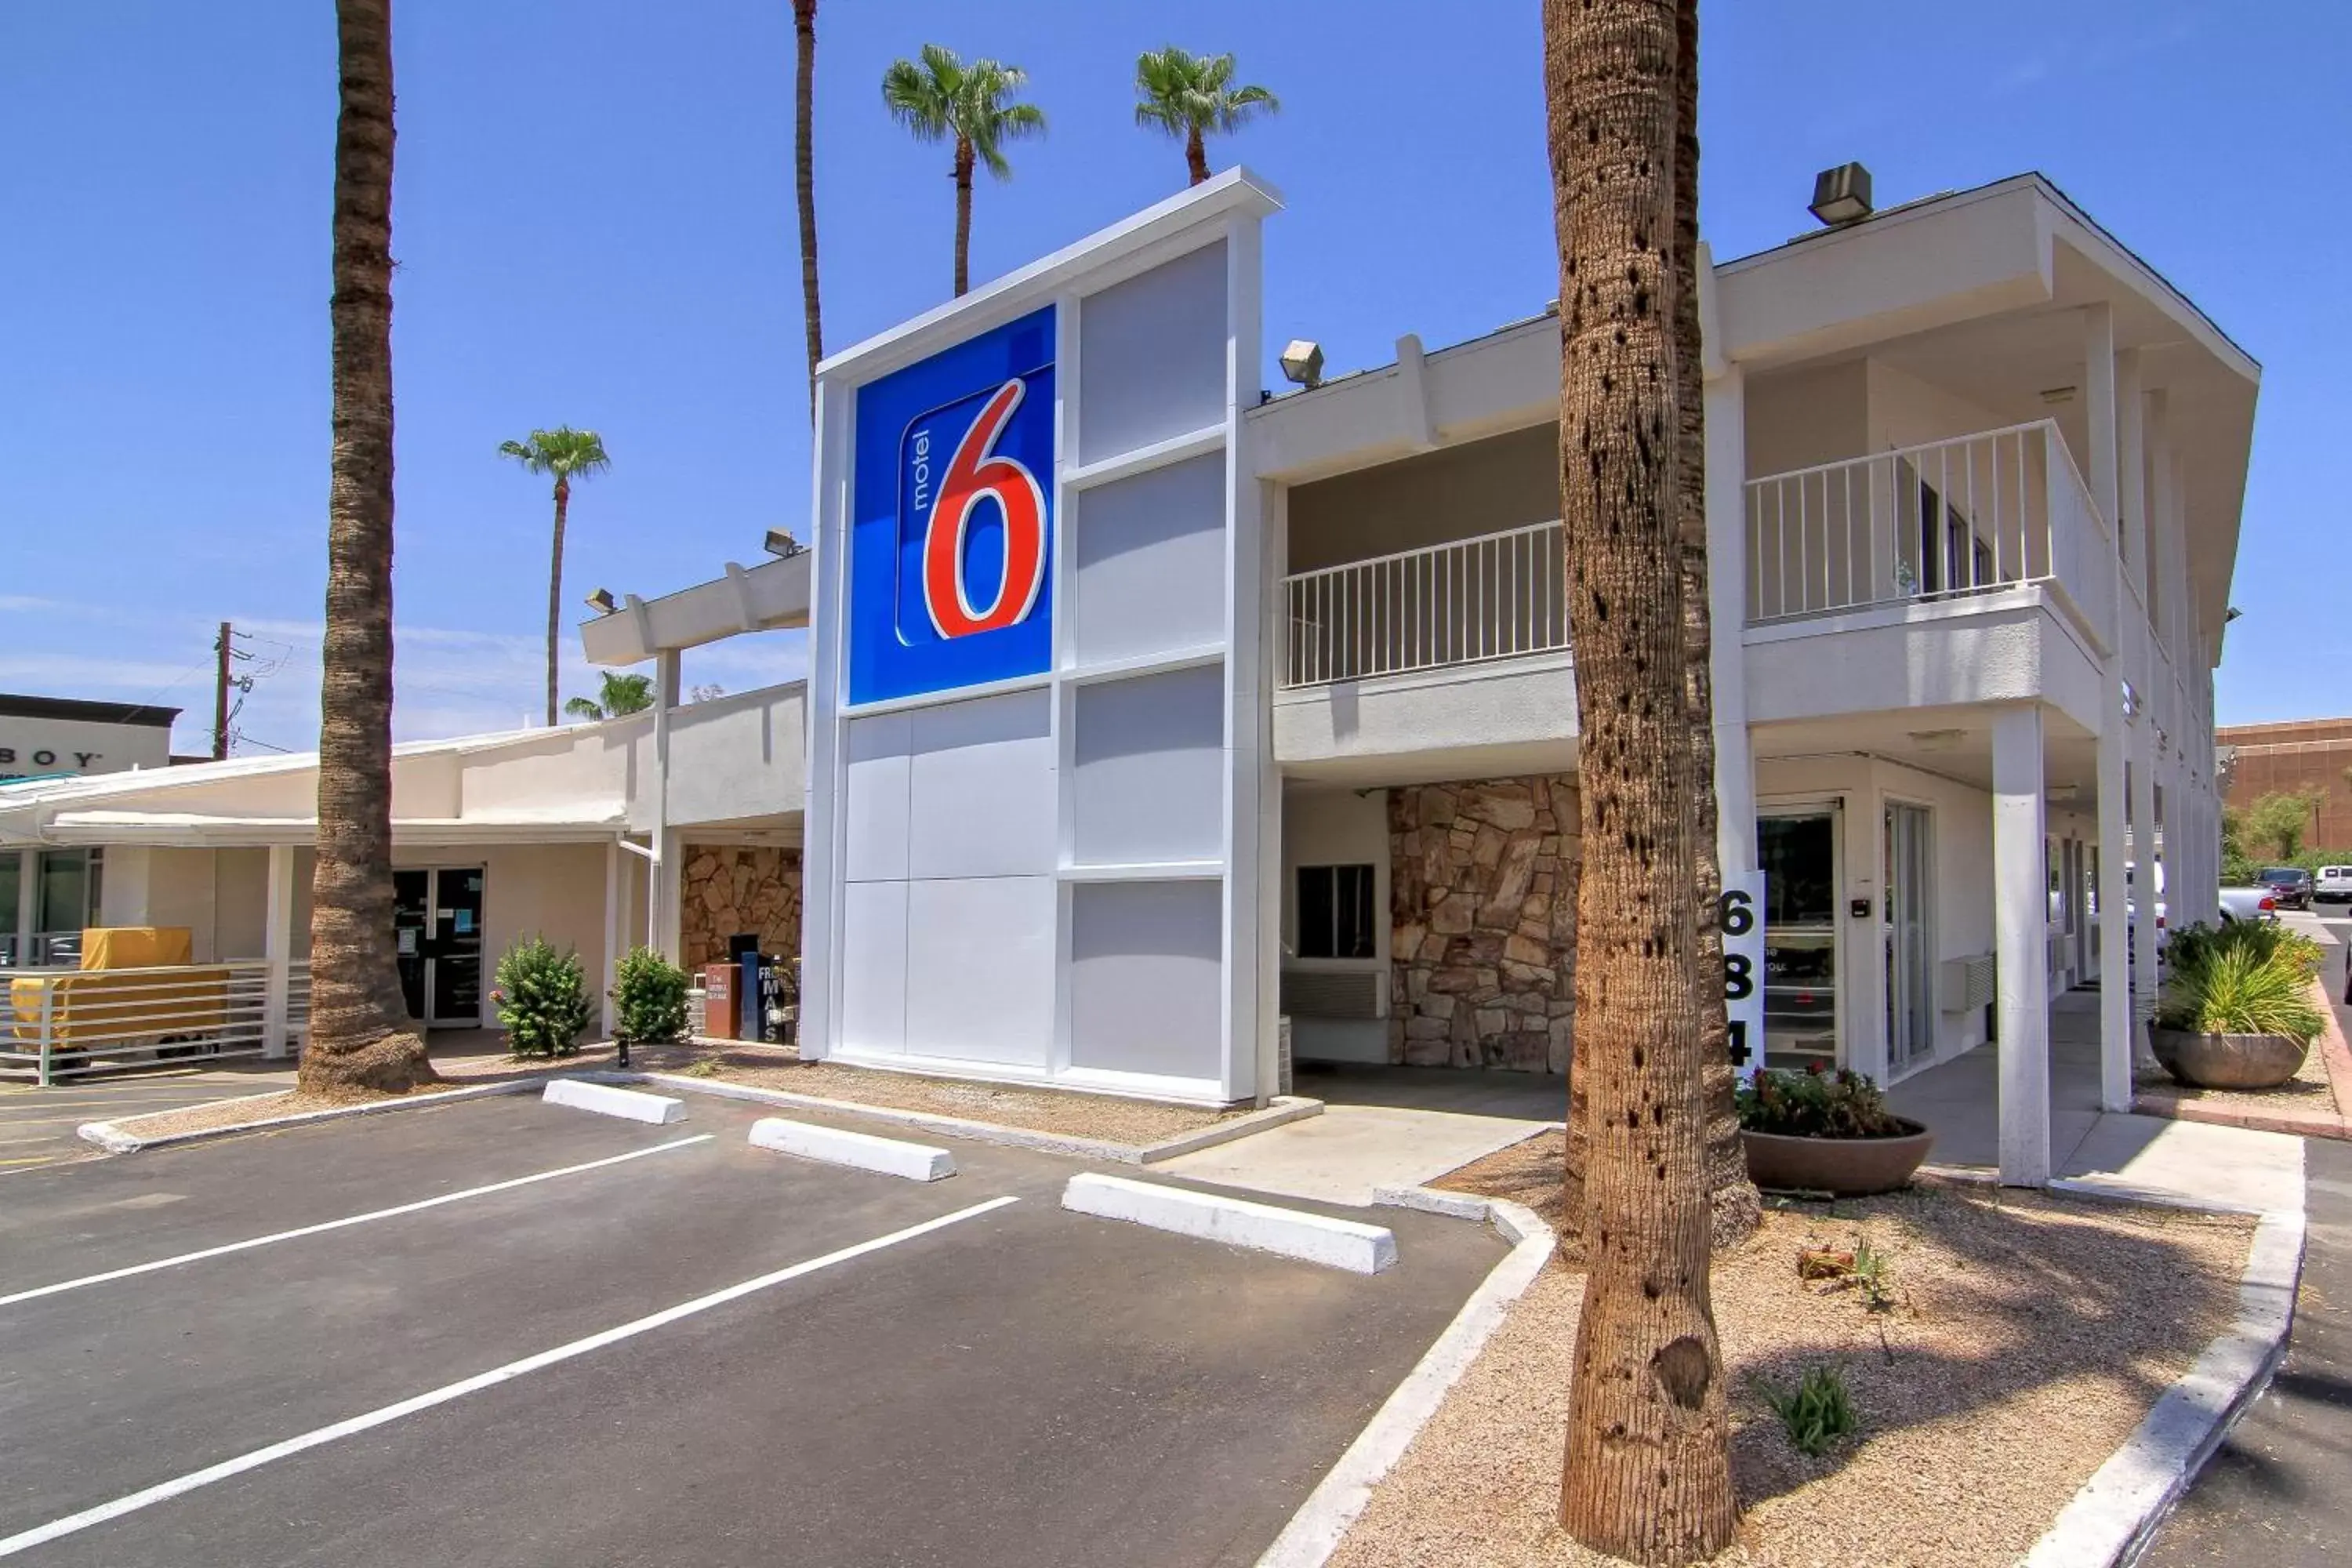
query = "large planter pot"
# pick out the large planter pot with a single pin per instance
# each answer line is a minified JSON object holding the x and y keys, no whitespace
{"x":1849,"y":1167}
{"x":2227,"y":1061}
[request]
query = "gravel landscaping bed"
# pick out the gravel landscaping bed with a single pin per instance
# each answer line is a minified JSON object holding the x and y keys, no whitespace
{"x":1105,"y":1117}
{"x":2027,"y":1337}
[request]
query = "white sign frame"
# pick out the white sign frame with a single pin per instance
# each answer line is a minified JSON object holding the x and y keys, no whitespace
{"x":1741,"y":914}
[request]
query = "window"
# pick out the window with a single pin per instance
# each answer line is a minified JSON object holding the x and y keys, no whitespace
{"x":1334,"y":912}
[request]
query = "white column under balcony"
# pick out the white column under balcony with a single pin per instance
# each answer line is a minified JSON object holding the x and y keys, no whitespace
{"x":2115,"y":1034}
{"x":616,"y":898}
{"x":2021,"y":946}
{"x":2130,"y":516}
{"x":2099,"y":409}
{"x":2144,"y":883}
{"x":1726,"y":569}
{"x":278,"y":951}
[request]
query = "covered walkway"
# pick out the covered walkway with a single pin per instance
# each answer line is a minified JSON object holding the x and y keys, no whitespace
{"x":1960,"y":1100}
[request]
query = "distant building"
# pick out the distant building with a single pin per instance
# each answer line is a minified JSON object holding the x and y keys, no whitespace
{"x":2298,"y":755}
{"x":59,"y":737}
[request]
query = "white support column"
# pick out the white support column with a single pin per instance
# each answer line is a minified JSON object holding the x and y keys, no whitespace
{"x":617,"y":894}
{"x":1727,"y":568}
{"x":2099,"y":409}
{"x":28,"y":911}
{"x":662,"y":917}
{"x":2020,"y":923}
{"x":2144,"y":885}
{"x":2131,"y":475}
{"x":278,"y":949}
{"x":2116,"y":1031}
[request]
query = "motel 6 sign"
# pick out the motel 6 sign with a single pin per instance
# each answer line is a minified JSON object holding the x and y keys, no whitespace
{"x":951,"y":543}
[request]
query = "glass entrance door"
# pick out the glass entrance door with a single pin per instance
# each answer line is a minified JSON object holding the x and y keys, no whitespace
{"x":1910,"y":975}
{"x":1798,"y":851}
{"x":457,"y":987}
{"x":437,"y":922}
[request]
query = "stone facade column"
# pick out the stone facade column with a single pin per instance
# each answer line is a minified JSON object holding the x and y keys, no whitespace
{"x":1482,"y":894}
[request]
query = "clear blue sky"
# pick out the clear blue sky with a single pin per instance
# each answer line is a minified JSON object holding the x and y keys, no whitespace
{"x":593,"y":223}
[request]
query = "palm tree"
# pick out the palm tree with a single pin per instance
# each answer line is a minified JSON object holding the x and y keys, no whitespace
{"x":944,"y":100}
{"x":1190,"y":95}
{"x":361,"y":1035}
{"x":1646,"y":1475}
{"x":804,"y":181}
{"x":616,"y":694}
{"x":563,"y":452}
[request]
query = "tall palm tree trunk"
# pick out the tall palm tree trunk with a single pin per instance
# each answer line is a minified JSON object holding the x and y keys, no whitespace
{"x":1737,"y":1208}
{"x":805,"y":180}
{"x":361,"y":1035}
{"x":963,"y":165}
{"x":555,"y":592}
{"x":1196,"y":156}
{"x":1646,"y":1475}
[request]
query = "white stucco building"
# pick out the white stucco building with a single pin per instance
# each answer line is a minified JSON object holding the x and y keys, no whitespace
{"x":1146,"y":710}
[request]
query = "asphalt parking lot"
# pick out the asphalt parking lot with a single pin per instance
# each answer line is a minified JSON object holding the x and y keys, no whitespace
{"x":36,"y":1125}
{"x":661,"y":1345}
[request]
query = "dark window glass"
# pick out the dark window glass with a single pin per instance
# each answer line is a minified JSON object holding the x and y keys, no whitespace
{"x":1334,"y":912}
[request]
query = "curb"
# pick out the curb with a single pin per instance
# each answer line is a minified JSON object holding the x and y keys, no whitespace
{"x":2117,"y":1511}
{"x":1315,"y":1531}
{"x":109,"y":1137}
{"x":606,"y":1100}
{"x":857,"y":1151}
{"x":1289,"y":1108}
{"x":1311,"y":1237}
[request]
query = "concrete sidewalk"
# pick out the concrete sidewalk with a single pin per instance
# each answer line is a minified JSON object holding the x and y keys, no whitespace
{"x":1961,"y":1100}
{"x":1382,"y":1127}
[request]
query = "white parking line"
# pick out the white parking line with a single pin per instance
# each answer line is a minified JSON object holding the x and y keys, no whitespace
{"x":43,"y":1534}
{"x":321,"y":1228}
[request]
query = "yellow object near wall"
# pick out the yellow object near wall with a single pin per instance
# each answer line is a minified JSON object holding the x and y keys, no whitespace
{"x":96,"y":1007}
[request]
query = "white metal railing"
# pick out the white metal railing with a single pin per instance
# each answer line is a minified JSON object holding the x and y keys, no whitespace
{"x":70,"y":1023}
{"x":1494,"y":596}
{"x":1937,"y":522}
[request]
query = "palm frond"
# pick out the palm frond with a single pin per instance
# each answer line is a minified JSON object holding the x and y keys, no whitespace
{"x":564,"y":452}
{"x":580,"y":708}
{"x":1182,"y":93}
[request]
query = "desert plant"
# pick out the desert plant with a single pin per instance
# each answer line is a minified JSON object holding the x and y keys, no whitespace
{"x":1873,"y":1274}
{"x":1816,"y":1413}
{"x":1817,"y":1104}
{"x":649,"y":997}
{"x":2237,"y":987}
{"x":543,"y":999}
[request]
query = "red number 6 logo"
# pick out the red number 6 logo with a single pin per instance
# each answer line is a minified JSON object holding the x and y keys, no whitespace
{"x":975,"y":474}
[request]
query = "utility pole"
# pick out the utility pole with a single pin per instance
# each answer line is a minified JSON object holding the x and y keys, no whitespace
{"x":220,"y":695}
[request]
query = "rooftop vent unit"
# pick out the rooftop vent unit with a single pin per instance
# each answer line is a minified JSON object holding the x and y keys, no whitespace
{"x":1842,"y":196}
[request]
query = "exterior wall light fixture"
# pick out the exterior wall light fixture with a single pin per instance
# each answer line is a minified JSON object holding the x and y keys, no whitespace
{"x":601,"y":601}
{"x":1842,"y":196}
{"x":1302,"y":361}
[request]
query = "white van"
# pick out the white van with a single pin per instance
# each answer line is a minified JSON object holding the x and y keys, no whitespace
{"x":2334,"y":884}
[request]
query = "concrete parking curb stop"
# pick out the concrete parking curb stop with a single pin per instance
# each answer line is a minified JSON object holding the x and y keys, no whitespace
{"x":1292,"y":1233}
{"x":1315,"y":1531}
{"x":605,"y":1100}
{"x":2118,"y":1509}
{"x":859,"y":1150}
{"x":108,"y":1135}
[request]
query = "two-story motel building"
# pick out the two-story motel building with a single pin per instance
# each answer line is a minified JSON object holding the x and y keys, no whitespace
{"x":1146,"y":712}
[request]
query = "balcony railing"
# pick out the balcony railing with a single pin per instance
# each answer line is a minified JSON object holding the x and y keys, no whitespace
{"x":72,"y":1023}
{"x":1932,"y":523}
{"x":1494,"y":596}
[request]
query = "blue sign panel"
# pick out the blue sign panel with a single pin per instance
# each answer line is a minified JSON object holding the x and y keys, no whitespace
{"x":951,"y":518}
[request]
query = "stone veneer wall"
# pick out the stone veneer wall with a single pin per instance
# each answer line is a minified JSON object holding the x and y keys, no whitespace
{"x":1482,"y":899}
{"x":730,"y":888}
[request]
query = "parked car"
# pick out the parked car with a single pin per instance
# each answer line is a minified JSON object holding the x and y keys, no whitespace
{"x":2333,"y":886}
{"x":2256,"y":903}
{"x":2290,"y":885}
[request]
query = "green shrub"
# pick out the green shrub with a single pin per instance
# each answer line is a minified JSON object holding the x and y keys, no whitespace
{"x":649,"y":998}
{"x":1816,"y":1413}
{"x":1817,"y":1104}
{"x":2228,"y":984}
{"x":543,"y":999}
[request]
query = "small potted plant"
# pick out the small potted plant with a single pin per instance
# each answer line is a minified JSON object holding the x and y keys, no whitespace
{"x":2237,"y":1011}
{"x":1826,"y":1131}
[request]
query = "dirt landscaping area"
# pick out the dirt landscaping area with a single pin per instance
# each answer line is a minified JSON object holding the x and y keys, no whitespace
{"x":2018,"y":1339}
{"x":1129,"y":1123}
